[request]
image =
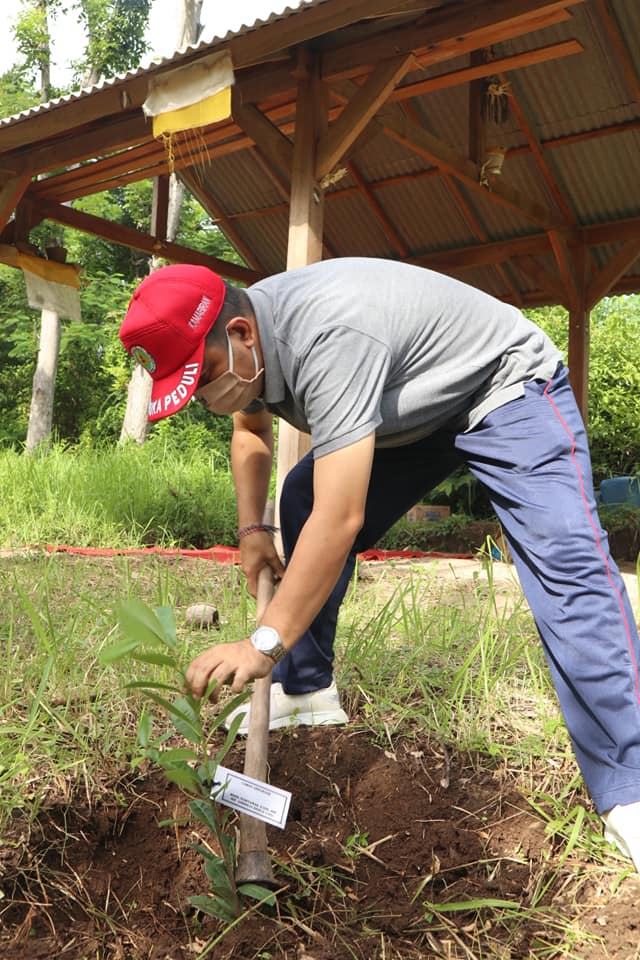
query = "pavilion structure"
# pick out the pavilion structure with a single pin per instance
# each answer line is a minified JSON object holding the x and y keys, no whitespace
{"x":497,"y":142}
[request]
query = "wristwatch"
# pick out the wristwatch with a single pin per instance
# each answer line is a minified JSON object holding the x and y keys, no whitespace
{"x":267,"y":640}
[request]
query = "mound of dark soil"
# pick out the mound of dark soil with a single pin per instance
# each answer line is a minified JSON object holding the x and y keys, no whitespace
{"x":376,"y":844}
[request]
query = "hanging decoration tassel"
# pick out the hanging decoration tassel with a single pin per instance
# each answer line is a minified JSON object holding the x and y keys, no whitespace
{"x":495,"y":100}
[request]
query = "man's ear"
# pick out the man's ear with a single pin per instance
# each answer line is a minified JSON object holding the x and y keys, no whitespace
{"x":241,"y":327}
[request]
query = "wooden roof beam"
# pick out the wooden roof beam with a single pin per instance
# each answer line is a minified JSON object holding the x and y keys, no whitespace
{"x":443,"y":156}
{"x":447,"y":33}
{"x":481,"y":234}
{"x":571,"y":280}
{"x":620,"y":49}
{"x":526,"y":124}
{"x":601,"y":284}
{"x":416,"y":113}
{"x":137,"y":240}
{"x":530,"y":58}
{"x":536,"y":271}
{"x":361,"y":108}
{"x":264,"y":133}
{"x":482,"y":254}
{"x":389,"y":230}
{"x":208,"y":204}
{"x":11,"y":192}
{"x":74,"y":147}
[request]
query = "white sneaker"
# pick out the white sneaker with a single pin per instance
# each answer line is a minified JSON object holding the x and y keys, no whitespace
{"x":622,"y":828}
{"x":316,"y":709}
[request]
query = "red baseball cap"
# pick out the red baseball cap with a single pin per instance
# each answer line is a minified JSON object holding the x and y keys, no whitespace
{"x":168,"y":318}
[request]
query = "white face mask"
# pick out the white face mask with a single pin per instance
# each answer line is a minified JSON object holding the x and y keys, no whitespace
{"x":230,"y":392}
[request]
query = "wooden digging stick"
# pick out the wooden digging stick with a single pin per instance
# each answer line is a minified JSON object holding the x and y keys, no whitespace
{"x":254,"y":864}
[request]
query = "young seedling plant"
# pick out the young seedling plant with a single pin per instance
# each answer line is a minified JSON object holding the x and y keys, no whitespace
{"x":148,"y":636}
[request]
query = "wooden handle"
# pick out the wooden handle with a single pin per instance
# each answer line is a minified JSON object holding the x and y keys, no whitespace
{"x":253,"y":860}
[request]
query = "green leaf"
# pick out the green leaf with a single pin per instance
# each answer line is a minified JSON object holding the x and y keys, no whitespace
{"x":182,"y":722}
{"x":145,"y":726}
{"x":182,"y":776}
{"x":230,"y":738}
{"x":257,"y":892}
{"x":232,"y":705}
{"x":213,"y":908}
{"x":151,"y":685}
{"x":168,"y":621}
{"x":138,"y":622}
{"x":179,"y":755}
{"x":160,"y":659}
{"x":202,"y":811}
{"x":462,"y":906}
{"x":216,"y":871}
{"x":117,"y":651}
{"x":187,"y":718}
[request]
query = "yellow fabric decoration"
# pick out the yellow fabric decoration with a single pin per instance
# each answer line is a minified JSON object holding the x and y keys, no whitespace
{"x":49,"y":270}
{"x":210,"y":110}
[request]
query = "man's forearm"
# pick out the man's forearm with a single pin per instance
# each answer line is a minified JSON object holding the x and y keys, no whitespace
{"x":311,"y":575}
{"x":251,"y":461}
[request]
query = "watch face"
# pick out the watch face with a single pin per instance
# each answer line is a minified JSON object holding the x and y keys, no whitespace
{"x":267,"y":641}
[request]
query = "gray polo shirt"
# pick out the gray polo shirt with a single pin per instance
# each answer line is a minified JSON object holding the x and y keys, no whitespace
{"x":354,"y":346}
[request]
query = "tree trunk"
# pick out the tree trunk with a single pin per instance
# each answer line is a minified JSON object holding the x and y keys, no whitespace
{"x":135,"y":424}
{"x":44,"y":55}
{"x":44,"y":381}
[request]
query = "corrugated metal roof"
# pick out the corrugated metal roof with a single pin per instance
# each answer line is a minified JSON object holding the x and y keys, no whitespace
{"x":435,"y":213}
{"x":152,"y":64}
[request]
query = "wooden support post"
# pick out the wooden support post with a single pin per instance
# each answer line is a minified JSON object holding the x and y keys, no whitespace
{"x":306,"y":214}
{"x":160,"y":207}
{"x":579,"y":317}
{"x":477,"y":126}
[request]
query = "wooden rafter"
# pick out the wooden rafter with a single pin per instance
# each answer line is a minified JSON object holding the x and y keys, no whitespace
{"x":481,"y":234}
{"x":571,"y":282}
{"x":541,"y":275}
{"x":443,"y":156}
{"x":221,"y":220}
{"x":358,"y":112}
{"x":606,"y":279}
{"x":620,"y":48}
{"x":265,"y":134}
{"x":89,"y":178}
{"x":137,"y":240}
{"x":526,"y":124}
{"x":446,"y":34}
{"x":466,"y":209}
{"x":477,"y":127}
{"x":468,"y":74}
{"x":390,"y":231}
{"x":11,"y":192}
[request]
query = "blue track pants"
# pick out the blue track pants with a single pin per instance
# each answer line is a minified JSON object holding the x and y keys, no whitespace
{"x":531,"y":455}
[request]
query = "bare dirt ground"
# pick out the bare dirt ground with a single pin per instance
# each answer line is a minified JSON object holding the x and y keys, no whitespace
{"x":373,"y":839}
{"x":378,"y":839}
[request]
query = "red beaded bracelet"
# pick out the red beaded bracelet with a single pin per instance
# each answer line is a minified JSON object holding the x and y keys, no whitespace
{"x":256,"y":528}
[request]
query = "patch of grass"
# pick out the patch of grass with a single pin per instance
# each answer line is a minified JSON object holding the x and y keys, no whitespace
{"x":130,"y":496}
{"x":419,"y":656}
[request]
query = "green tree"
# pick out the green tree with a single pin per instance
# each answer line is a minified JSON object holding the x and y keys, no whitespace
{"x":115,"y":37}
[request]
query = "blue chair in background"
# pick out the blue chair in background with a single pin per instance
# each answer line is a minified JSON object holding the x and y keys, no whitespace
{"x":620,"y":492}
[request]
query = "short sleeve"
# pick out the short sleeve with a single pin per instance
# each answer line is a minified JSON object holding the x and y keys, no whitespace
{"x":339,"y":382}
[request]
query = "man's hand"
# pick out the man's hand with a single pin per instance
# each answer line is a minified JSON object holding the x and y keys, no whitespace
{"x":240,"y":661}
{"x":256,"y":552}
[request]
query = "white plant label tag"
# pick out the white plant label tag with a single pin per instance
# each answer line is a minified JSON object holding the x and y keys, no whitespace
{"x":254,"y":797}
